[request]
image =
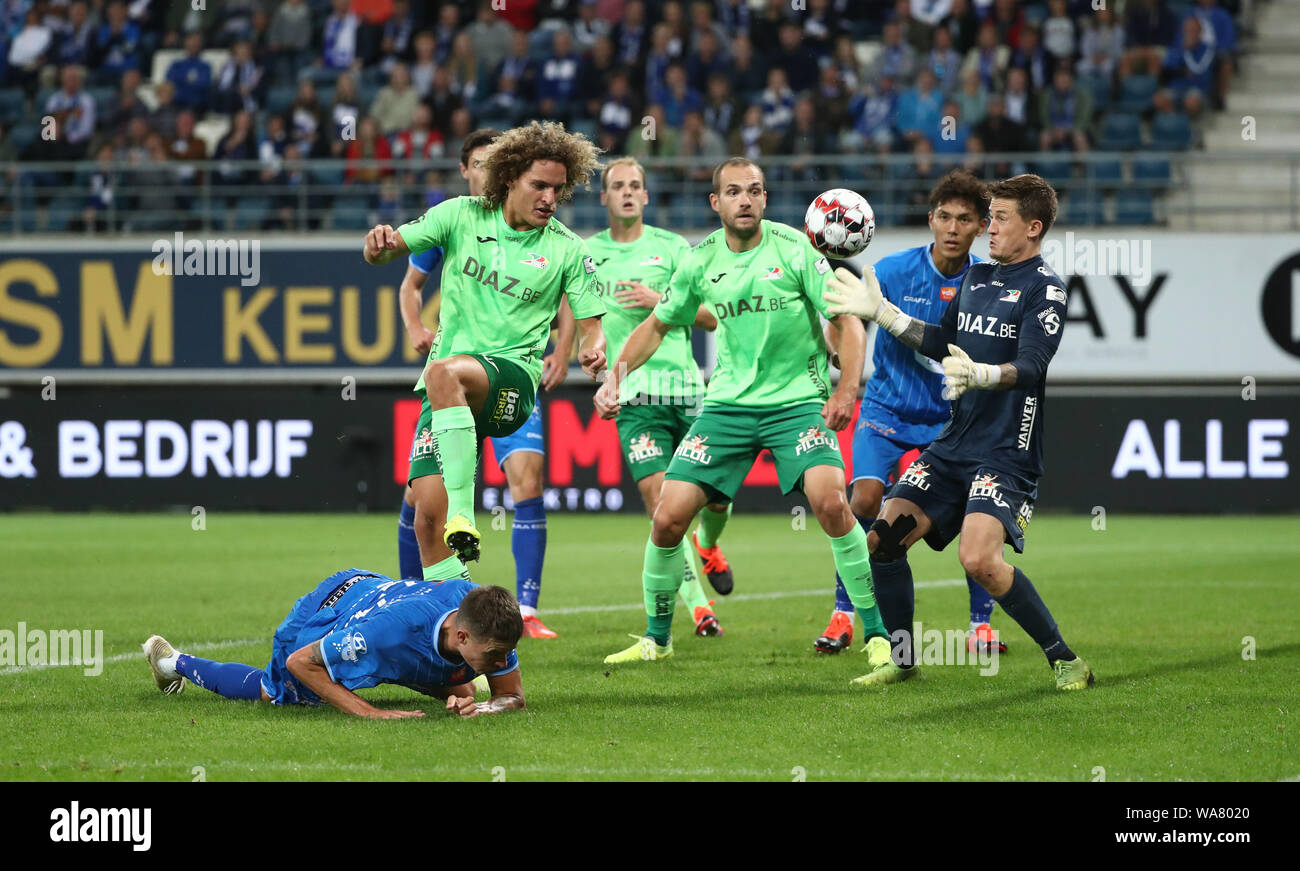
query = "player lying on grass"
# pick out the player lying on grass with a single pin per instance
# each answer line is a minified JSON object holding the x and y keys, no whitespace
{"x":521,"y":455}
{"x":771,"y":389}
{"x":659,"y":402}
{"x":904,"y":408}
{"x":507,"y":263}
{"x":359,"y":629}
{"x":979,"y":478}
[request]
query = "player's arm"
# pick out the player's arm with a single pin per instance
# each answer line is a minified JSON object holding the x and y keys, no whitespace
{"x":555,"y":365}
{"x":410,"y":301}
{"x":507,"y":696}
{"x":591,"y":346}
{"x":838,"y":410}
{"x":307,"y":664}
{"x":383,"y":245}
{"x":639,"y":347}
{"x":846,"y":294}
{"x":705,"y":319}
{"x":1039,"y":337}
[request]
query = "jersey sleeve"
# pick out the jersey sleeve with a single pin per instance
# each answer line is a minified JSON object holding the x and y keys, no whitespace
{"x":368,"y":652}
{"x":813,"y":270}
{"x":1040,"y":334}
{"x":426,"y":261}
{"x":580,"y":284}
{"x":680,"y":302}
{"x":512,"y":662}
{"x":434,"y":228}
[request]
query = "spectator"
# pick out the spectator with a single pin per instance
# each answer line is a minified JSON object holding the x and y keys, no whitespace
{"x":389,"y":208}
{"x":631,"y":35}
{"x":77,"y":40}
{"x":1065,"y":114}
{"x":99,"y":204}
{"x":963,"y":26}
{"x":307,"y":122}
{"x":57,"y":148}
{"x":1149,"y":30}
{"x":752,"y":139}
{"x":953,"y":131}
{"x":133,"y":147}
{"x":1189,"y":63}
{"x":27,"y":53}
{"x":239,"y":84}
{"x":925,"y":174}
{"x":557,"y":85}
{"x":972,"y":100}
{"x":704,"y":148}
{"x":421,"y":141}
{"x":656,"y":64}
{"x":1008,"y":20}
{"x":915,"y":33}
{"x":424,"y":65}
{"x":339,"y":38}
{"x":845,"y":63}
{"x":589,"y":28}
{"x":805,"y":139}
{"x":345,"y":114}
{"x":272,"y":148}
{"x":820,"y":27}
{"x":1058,"y":33}
{"x":287,"y":182}
{"x":370,"y":145}
{"x":874,"y":112}
{"x":1018,"y":99}
{"x":237,"y":145}
{"x":191,"y":76}
{"x":777,"y":103}
{"x":678,"y":97}
{"x":461,"y":126}
{"x":234,"y":21}
{"x":1218,"y":30}
{"x":1034,"y":60}
{"x":617,"y":112}
{"x":897,"y":58}
{"x":702,"y":23}
{"x":504,"y":106}
{"x":988,"y":58}
{"x":442,"y":100}
{"x":127,"y":105}
{"x":259,"y":36}
{"x":673,"y":18}
{"x":289,"y":37}
{"x":930,"y":12}
{"x":705,"y":60}
{"x":733,"y":18}
{"x":944,"y":62}
{"x":1168,"y":115}
{"x":797,"y":59}
{"x":435,"y":188}
{"x":920,"y":109}
{"x":748,"y":74}
{"x":445,"y":31}
{"x":463,"y":68}
{"x":831,"y":100}
{"x":396,"y":42}
{"x":372,"y":15}
{"x":491,"y":35}
{"x":595,"y":75}
{"x":117,"y":45}
{"x":74,"y":110}
{"x":394,"y":106}
{"x":187,"y":147}
{"x":975,"y":162}
{"x":162,"y":120}
{"x":519,"y":66}
{"x":1102,"y":47}
{"x":155,"y":202}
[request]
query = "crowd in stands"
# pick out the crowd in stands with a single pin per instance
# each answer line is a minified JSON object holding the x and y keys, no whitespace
{"x":149,"y":83}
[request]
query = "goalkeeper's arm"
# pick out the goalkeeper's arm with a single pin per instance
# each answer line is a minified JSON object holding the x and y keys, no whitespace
{"x":848,"y":294}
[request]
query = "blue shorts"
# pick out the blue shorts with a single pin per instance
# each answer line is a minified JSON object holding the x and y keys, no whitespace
{"x":881,"y":439}
{"x":527,"y":438}
{"x":948,"y":490}
{"x":306,"y":623}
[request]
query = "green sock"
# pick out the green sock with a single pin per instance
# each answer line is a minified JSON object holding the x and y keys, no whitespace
{"x":711,"y":526}
{"x":456,"y":449}
{"x":691,"y":592}
{"x":853,"y":562}
{"x":446,"y":570}
{"x":660,"y":579}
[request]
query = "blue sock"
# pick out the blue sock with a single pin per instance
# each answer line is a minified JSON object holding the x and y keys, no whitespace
{"x":981,"y":602}
{"x":842,"y":601}
{"x":896,"y":599}
{"x":408,"y":548}
{"x":1023,"y":604}
{"x":528,"y":543}
{"x":231,"y":680}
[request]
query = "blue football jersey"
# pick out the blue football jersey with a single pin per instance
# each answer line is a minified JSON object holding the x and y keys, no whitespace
{"x":427,"y":261}
{"x":383,"y":630}
{"x":1004,"y":314}
{"x":905,"y":381}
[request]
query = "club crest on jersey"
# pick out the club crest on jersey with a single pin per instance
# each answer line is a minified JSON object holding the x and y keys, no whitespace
{"x":651,"y":261}
{"x":694,"y":450}
{"x":773,"y":272}
{"x":507,"y":407}
{"x":458,"y":676}
{"x":643,"y":448}
{"x":1012,"y":296}
{"x":986,"y":487}
{"x":917,"y":475}
{"x":814,"y":438}
{"x":947,"y":293}
{"x":423,"y":445}
{"x":534,"y":260}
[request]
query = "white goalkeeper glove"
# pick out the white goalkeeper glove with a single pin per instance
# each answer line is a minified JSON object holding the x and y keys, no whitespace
{"x":849,"y":295}
{"x":961,"y":373}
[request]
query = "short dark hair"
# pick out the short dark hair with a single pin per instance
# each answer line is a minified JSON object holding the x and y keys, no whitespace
{"x":1035,"y":199}
{"x":480,"y":137}
{"x":961,"y":185}
{"x":491,"y":614}
{"x":734,"y":161}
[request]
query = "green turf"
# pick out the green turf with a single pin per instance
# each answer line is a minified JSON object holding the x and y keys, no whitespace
{"x":1159,"y":606}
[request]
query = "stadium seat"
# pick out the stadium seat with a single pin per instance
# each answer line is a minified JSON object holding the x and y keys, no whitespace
{"x":1121,"y":131}
{"x":1171,"y":132}
{"x":252,"y":212}
{"x":350,"y":213}
{"x":280,"y":98}
{"x":1084,"y":208}
{"x":13,"y":106}
{"x":23,"y":135}
{"x":1108,"y":172}
{"x":321,"y":75}
{"x":326,"y":176}
{"x":1055,"y":168}
{"x":1153,"y":172}
{"x":105,"y":100}
{"x":1134,"y":207}
{"x":1136,"y":93}
{"x":162,"y":59}
{"x":1099,"y":88}
{"x":61,"y":214}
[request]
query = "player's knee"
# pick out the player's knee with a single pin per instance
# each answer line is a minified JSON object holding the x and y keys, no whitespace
{"x":890,"y":538}
{"x":667,"y":529}
{"x":440,"y":377}
{"x":526,"y":486}
{"x":980,"y":565}
{"x":830,"y":508}
{"x":864,"y":505}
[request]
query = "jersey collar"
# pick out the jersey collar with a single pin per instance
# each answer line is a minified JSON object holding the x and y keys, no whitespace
{"x":437,"y":640}
{"x":1016,"y":268}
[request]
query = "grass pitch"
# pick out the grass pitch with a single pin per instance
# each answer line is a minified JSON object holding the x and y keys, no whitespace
{"x":1163,"y":609}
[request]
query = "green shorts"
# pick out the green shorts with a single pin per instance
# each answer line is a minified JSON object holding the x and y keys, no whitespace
{"x":510,"y":400}
{"x":649,"y":433}
{"x":721,"y":447}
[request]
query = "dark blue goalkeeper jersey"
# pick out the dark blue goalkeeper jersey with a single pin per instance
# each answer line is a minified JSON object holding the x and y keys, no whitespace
{"x":1003,"y":314}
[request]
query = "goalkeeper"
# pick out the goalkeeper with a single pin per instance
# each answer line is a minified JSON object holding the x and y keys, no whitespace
{"x":979,"y":478}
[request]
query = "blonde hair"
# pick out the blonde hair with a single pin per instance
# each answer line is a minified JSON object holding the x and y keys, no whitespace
{"x":513,"y":153}
{"x":621,"y":161}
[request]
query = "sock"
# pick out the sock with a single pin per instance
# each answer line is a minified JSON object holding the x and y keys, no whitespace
{"x":981,"y":603}
{"x":691,"y":591}
{"x":711,"y":526}
{"x":528,"y":544}
{"x":897,"y":600}
{"x":456,"y":449}
{"x":852,"y":563}
{"x":408,"y":548}
{"x":230,"y":680}
{"x":660,"y":580}
{"x":447,"y":570}
{"x":1023,"y":604}
{"x":842,"y":600}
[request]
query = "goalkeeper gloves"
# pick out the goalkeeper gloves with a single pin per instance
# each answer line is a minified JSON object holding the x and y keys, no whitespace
{"x":849,"y":295}
{"x":961,"y":373}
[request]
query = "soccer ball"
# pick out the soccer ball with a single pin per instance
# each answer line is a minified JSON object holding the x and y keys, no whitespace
{"x":840,"y":223}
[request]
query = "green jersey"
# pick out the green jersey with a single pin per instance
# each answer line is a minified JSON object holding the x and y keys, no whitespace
{"x":771,"y":351}
{"x":651,"y":260}
{"x":501,"y":287}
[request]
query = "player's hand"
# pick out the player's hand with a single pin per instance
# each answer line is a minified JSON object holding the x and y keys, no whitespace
{"x":961,"y":373}
{"x":607,"y":400}
{"x":838,"y":411}
{"x":634,"y":294}
{"x":462,"y":706}
{"x":846,"y":294}
{"x":381,"y":238}
{"x":593,"y":362}
{"x":421,"y":338}
{"x":554,"y":369}
{"x":386,"y":714}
